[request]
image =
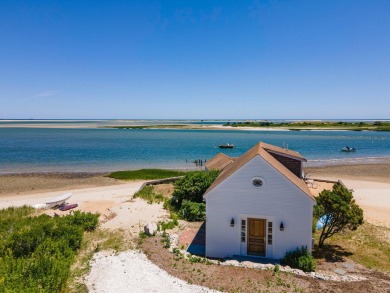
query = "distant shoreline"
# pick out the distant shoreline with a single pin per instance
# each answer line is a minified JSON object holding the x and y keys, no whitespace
{"x":251,"y":125}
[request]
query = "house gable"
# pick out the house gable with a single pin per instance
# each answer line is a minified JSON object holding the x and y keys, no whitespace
{"x":263,"y":150}
{"x":239,"y":183}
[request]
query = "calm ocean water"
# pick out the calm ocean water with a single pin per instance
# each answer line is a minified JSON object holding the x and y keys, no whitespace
{"x":57,"y":150}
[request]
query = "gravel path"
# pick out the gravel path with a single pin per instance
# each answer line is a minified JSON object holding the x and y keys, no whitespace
{"x":131,"y":271}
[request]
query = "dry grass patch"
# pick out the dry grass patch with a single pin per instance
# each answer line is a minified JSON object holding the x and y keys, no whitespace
{"x":369,"y":245}
{"x":165,"y":190}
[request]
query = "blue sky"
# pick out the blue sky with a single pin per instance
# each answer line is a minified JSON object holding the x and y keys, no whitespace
{"x":195,"y":59}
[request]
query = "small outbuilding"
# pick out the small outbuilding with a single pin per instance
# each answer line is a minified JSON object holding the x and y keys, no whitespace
{"x":259,"y":205}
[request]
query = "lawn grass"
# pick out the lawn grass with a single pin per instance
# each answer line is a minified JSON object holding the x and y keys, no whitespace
{"x":369,"y":245}
{"x":145,"y":174}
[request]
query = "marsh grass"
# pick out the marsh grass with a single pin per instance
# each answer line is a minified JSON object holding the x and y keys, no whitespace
{"x":369,"y":245}
{"x":145,"y":174}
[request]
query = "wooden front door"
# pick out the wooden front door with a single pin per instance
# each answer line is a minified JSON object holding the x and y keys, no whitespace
{"x":256,"y":237}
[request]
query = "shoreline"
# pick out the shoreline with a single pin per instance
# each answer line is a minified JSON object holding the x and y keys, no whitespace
{"x":189,"y":166}
{"x":35,"y":182}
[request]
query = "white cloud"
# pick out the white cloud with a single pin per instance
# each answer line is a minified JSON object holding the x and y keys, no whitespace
{"x":45,"y":94}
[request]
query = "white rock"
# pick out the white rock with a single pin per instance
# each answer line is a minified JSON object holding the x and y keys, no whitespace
{"x":150,"y":229}
{"x":231,"y":262}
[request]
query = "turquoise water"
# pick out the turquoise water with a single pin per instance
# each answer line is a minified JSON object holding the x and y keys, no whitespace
{"x":98,"y":150}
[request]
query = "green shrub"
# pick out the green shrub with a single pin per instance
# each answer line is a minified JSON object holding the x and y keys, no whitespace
{"x":168,"y":225}
{"x":193,"y":186}
{"x":36,"y":253}
{"x":166,"y":240}
{"x":299,"y":259}
{"x":193,"y":211}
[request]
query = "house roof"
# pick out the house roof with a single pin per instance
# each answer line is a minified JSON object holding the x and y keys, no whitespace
{"x":282,"y":151}
{"x":262,"y":149}
{"x":219,"y":162}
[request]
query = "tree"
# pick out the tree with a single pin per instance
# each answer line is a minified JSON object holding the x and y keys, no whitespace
{"x":193,"y":186}
{"x":337,"y":211}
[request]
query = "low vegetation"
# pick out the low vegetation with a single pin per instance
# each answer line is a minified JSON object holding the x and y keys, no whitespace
{"x":36,"y":252}
{"x":148,"y":193}
{"x":299,"y":259}
{"x":301,"y":125}
{"x":146,"y":174}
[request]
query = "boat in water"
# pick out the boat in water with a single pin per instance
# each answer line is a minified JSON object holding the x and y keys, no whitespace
{"x":226,"y":146}
{"x":348,"y":149}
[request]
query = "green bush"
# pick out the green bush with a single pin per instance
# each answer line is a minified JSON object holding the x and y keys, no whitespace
{"x":193,"y":186}
{"x":299,"y":259}
{"x":36,"y":253}
{"x":193,"y":211}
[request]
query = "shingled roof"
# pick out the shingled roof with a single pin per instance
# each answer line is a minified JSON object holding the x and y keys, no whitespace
{"x":262,"y":149}
{"x":219,"y":162}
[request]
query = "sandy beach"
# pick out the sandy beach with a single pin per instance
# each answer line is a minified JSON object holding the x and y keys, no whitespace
{"x":370,"y":185}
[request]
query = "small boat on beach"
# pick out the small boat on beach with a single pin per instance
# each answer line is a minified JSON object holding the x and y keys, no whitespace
{"x":226,"y":146}
{"x":68,"y":207}
{"x":54,"y":203}
{"x":348,"y":149}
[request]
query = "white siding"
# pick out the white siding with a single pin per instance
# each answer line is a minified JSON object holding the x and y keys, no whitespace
{"x":278,"y":200}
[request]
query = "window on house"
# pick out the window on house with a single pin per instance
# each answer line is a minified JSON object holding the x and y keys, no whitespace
{"x":269,"y":233}
{"x":243,"y":230}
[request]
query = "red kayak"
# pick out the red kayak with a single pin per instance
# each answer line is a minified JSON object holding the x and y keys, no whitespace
{"x":69,"y":207}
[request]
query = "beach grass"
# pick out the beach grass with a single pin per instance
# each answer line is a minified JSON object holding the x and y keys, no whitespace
{"x":145,"y":174}
{"x":36,"y":252}
{"x":147,"y":193}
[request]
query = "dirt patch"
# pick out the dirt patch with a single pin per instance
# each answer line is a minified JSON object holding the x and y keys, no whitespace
{"x":165,"y":190}
{"x":238,"y":279}
{"x":13,"y":184}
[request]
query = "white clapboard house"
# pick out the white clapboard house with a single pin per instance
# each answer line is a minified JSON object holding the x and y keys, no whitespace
{"x":259,"y":205}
